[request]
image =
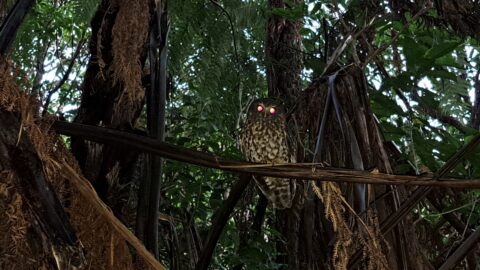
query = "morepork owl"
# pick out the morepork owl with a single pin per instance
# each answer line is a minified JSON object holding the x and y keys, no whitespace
{"x":263,"y":139}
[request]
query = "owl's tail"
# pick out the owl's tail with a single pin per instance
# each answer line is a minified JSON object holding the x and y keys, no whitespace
{"x":279,"y":191}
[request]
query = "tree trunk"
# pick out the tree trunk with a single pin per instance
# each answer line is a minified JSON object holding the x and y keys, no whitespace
{"x":360,"y":130}
{"x":351,"y":140}
{"x":283,"y":56}
{"x":113,"y":96}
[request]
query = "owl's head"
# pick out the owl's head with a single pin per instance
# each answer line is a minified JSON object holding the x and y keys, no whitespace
{"x":266,"y":108}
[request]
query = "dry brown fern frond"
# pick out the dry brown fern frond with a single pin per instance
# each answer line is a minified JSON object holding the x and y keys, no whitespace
{"x":13,"y":221}
{"x":368,"y":237}
{"x":129,"y":34}
{"x":51,"y":151}
{"x":330,"y":195}
{"x":373,"y":243}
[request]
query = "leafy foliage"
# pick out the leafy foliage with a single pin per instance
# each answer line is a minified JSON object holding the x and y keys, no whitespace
{"x":44,"y":49}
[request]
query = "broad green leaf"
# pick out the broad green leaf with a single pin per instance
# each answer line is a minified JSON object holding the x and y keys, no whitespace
{"x":440,"y":73}
{"x":414,"y":54}
{"x":442,"y":49}
{"x":449,"y":61}
{"x":384,"y":106}
{"x":294,"y":14}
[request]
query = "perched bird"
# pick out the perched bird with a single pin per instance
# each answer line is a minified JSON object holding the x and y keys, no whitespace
{"x":263,"y":138}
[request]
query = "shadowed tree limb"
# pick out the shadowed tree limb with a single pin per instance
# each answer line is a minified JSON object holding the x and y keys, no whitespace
{"x":437,"y":114}
{"x":220,"y":219}
{"x":15,"y":18}
{"x":149,"y":191}
{"x":434,"y":113}
{"x":256,"y":227}
{"x":461,"y":251}
{"x":65,"y":76}
{"x":453,"y":219}
{"x":294,"y":171}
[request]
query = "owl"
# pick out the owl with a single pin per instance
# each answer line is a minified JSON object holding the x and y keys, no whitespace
{"x":263,"y":139}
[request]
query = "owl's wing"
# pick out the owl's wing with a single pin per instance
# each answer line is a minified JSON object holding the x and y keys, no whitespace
{"x":241,"y":140}
{"x":292,"y":140}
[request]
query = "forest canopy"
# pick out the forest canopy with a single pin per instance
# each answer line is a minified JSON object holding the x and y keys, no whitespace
{"x":371,"y":89}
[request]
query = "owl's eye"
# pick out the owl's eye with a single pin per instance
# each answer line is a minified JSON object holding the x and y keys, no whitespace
{"x":259,"y":108}
{"x":273,"y":111}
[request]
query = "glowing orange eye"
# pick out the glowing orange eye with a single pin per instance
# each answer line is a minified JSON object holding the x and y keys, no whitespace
{"x":259,"y":108}
{"x":273,"y":110}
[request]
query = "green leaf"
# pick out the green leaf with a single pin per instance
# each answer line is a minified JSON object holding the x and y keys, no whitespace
{"x":316,"y":65}
{"x":391,"y":132}
{"x":424,"y":149}
{"x":442,"y":49}
{"x":402,"y":81}
{"x":448,"y":61}
{"x":414,"y":54}
{"x":443,"y":74}
{"x":297,"y":12}
{"x":383,"y":105}
{"x":429,"y":100}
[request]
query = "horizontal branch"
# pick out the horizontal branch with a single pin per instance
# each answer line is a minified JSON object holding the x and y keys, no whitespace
{"x":292,"y":171}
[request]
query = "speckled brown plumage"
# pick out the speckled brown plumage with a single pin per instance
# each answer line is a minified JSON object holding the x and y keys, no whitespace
{"x":264,"y":139}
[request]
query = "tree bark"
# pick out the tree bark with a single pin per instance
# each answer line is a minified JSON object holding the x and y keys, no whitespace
{"x":283,"y":56}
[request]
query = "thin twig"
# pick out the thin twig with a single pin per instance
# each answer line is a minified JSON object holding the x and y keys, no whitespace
{"x":231,"y":26}
{"x":65,"y":75}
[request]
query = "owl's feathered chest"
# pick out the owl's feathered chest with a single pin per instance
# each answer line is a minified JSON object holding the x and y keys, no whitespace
{"x":265,"y":140}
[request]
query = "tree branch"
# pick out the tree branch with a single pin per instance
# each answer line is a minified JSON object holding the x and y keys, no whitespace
{"x":65,"y":75}
{"x":230,"y":20}
{"x":12,"y":23}
{"x":293,"y":171}
{"x":437,"y":114}
{"x":219,"y":221}
{"x":149,"y":192}
{"x":461,"y":251}
{"x":419,"y":194}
